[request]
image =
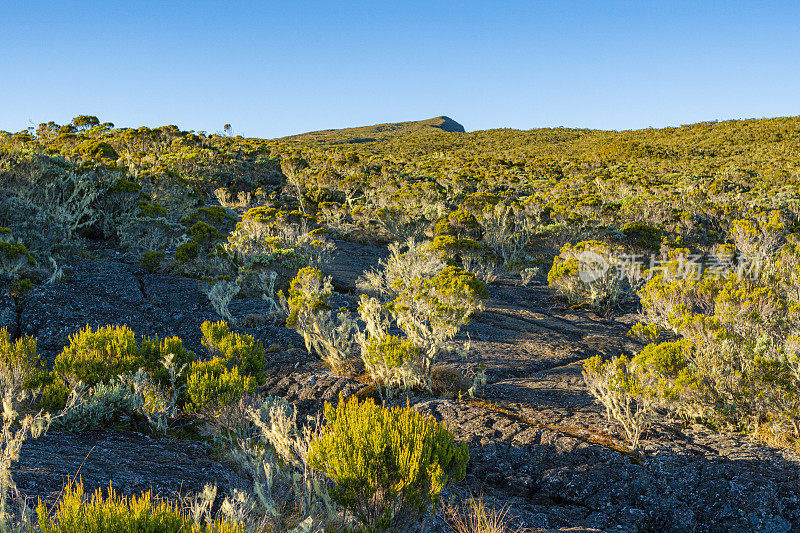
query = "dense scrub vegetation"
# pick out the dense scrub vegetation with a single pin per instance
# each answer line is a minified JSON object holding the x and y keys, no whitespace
{"x":696,"y":227}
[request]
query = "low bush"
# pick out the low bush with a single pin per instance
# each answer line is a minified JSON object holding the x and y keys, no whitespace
{"x":151,"y":234}
{"x":221,"y":218}
{"x":642,"y":235}
{"x":507,"y":230}
{"x":738,"y":364}
{"x":104,"y":405}
{"x":267,"y":232}
{"x":431,"y":310}
{"x":98,"y":355}
{"x":14,"y":257}
{"x":113,"y":512}
{"x":428,"y":300}
{"x":590,"y":273}
{"x":452,"y":248}
{"x":151,"y":260}
{"x":331,"y":336}
{"x":221,"y":293}
{"x":19,"y":361}
{"x":618,"y":386}
{"x":388,"y":466}
{"x":235,"y":349}
{"x":211,"y":384}
{"x":237,"y":366}
{"x":460,"y":224}
{"x":95,"y":356}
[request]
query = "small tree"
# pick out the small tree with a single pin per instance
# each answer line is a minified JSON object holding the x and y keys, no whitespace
{"x":84,"y":122}
{"x":331,"y":337}
{"x":589,"y":273}
{"x":432,"y":310}
{"x":428,"y":300}
{"x":619,"y":388}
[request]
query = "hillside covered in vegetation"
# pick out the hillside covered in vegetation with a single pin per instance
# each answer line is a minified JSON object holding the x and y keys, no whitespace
{"x":598,"y":329}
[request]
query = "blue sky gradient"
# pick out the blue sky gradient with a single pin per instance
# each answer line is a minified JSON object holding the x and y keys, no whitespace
{"x":277,"y":68}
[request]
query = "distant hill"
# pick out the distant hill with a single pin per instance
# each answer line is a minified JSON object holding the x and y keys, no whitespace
{"x":380,"y":132}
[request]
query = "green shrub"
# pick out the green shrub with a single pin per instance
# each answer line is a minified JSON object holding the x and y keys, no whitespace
{"x":105,"y":405}
{"x":25,"y":369}
{"x":212,"y":384}
{"x":222,"y":219}
{"x":152,"y":209}
{"x":19,"y":361}
{"x":389,"y":349}
{"x":666,"y":366}
{"x":204,"y":243}
{"x":95,"y":356}
{"x":590,"y":273}
{"x":123,"y":186}
{"x":203,"y":234}
{"x":54,"y":391}
{"x":154,"y":351}
{"x":98,"y":151}
{"x":151,"y":259}
{"x":235,"y":349}
{"x":387,"y":465}
{"x":627,"y":397}
{"x":114,"y":513}
{"x":266,"y":232}
{"x":645,"y":332}
{"x":20,"y":287}
{"x":642,"y":235}
{"x":460,"y":224}
{"x":431,"y":310}
{"x":237,"y":367}
{"x":738,"y":364}
{"x":186,"y":252}
{"x":13,"y":257}
{"x":450,"y":247}
{"x":308,"y":294}
{"x":329,"y":335}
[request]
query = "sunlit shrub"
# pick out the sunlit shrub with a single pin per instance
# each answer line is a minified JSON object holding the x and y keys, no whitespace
{"x":330,"y":335}
{"x":270,"y":232}
{"x":590,"y":273}
{"x":95,"y":356}
{"x":236,"y":349}
{"x":112,"y":513}
{"x":431,"y":310}
{"x":98,"y":355}
{"x":459,"y":224}
{"x":213,"y":383}
{"x":387,"y":465}
{"x":627,"y":398}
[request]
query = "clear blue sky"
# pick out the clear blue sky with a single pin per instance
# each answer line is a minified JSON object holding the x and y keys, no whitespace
{"x":277,"y":68}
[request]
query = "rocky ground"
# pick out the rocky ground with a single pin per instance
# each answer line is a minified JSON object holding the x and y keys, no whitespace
{"x":538,"y":443}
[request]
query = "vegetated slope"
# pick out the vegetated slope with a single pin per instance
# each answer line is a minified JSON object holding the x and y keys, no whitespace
{"x":379,"y":132}
{"x":139,"y":226}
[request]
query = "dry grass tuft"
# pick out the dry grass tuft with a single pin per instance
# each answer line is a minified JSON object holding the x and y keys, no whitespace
{"x":476,"y":517}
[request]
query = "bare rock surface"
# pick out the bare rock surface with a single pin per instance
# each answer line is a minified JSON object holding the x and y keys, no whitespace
{"x":538,"y":442}
{"x":350,"y":260}
{"x":107,"y":290}
{"x":128,"y":461}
